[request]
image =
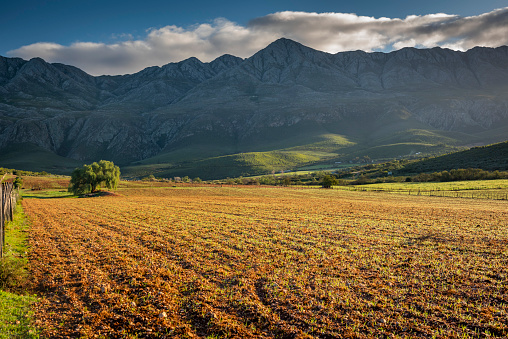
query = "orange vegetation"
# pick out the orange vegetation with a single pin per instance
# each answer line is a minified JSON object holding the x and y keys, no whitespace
{"x":268,"y":262}
{"x":42,"y":183}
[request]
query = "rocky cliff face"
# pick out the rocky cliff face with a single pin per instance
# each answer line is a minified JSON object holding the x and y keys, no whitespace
{"x":238,"y":102}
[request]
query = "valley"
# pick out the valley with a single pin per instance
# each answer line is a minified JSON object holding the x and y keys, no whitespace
{"x":286,"y":107}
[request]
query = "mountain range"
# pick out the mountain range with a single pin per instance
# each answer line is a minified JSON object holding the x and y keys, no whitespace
{"x":288,"y":106}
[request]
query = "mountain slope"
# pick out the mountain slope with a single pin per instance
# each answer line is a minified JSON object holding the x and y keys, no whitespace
{"x":284,"y":97}
{"x":491,"y":157}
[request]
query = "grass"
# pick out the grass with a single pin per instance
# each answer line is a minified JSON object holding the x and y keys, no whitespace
{"x":242,"y":164}
{"x":399,"y":150}
{"x":317,"y":154}
{"x":46,"y":194}
{"x":218,"y":157}
{"x":330,"y":144}
{"x":45,"y":187}
{"x":34,"y":158}
{"x":15,"y":246}
{"x":443,"y":186}
{"x":16,"y":318}
{"x":492,"y":157}
{"x":472,"y":189}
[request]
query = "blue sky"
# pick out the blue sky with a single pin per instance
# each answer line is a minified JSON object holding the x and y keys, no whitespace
{"x":116,"y":37}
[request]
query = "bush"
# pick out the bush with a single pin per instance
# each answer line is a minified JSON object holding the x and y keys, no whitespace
{"x":12,"y":273}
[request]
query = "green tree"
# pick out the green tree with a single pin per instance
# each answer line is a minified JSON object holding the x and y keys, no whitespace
{"x":18,"y":182}
{"x":89,"y":178}
{"x":328,"y":181}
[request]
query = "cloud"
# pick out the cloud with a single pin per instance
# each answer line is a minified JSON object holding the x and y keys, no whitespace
{"x":335,"y":32}
{"x":330,"y":32}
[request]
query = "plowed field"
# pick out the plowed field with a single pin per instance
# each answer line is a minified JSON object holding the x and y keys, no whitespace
{"x":268,"y":262}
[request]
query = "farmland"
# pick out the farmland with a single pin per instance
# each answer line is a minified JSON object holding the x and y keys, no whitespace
{"x":268,"y":262}
{"x":471,"y":189}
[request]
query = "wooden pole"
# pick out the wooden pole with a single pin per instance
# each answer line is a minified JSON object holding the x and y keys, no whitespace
{"x":1,"y":220}
{"x":11,"y":205}
{"x":6,"y":210}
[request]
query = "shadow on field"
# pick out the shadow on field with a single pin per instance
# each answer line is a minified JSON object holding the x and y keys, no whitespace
{"x":48,"y":197}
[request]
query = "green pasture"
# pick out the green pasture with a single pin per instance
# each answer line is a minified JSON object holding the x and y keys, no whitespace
{"x":441,"y":186}
{"x":16,"y":319}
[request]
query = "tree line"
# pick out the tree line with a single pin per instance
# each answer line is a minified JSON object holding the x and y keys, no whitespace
{"x":327,"y":179}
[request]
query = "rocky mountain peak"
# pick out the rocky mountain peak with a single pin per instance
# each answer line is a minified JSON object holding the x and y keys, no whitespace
{"x":192,"y":61}
{"x":284,"y":43}
{"x":282,"y":60}
{"x":38,"y":78}
{"x":35,"y":67}
{"x":9,"y":67}
{"x":285,"y":51}
{"x":225,"y":62}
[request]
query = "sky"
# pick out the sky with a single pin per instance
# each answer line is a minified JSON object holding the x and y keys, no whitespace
{"x":120,"y":37}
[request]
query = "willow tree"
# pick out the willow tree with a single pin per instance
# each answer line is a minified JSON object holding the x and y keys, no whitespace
{"x":90,"y":178}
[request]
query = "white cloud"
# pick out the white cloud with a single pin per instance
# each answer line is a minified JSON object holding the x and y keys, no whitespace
{"x":330,"y":32}
{"x":404,"y":43}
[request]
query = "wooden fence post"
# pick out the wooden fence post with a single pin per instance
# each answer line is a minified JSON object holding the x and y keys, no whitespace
{"x":11,"y":205}
{"x":6,"y":210}
{"x":7,"y":205}
{"x":1,"y":220}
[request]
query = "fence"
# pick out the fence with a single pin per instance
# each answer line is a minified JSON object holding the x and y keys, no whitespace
{"x":465,"y":194}
{"x":8,"y":200}
{"x":470,"y":193}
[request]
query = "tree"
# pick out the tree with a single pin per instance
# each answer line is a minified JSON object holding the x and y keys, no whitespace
{"x":328,"y":181}
{"x":286,"y":181}
{"x":18,"y":182}
{"x":89,"y":178}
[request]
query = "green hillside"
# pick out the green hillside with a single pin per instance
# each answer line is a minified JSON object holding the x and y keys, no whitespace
{"x":308,"y":145}
{"x":491,"y":157}
{"x":317,"y":148}
{"x":243,"y":164}
{"x":319,"y":151}
{"x":29,"y":157}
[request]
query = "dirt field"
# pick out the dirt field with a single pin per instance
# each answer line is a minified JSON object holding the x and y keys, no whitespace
{"x":269,"y":262}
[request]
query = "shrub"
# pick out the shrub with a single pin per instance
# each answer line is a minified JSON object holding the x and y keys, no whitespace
{"x":12,"y":273}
